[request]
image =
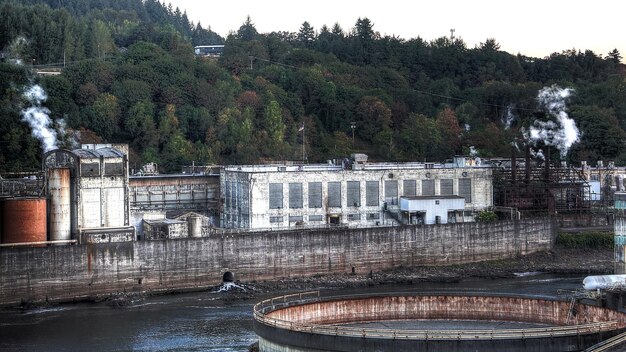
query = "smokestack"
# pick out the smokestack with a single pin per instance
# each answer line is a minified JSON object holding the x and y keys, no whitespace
{"x":547,"y":163}
{"x":513,"y":165}
{"x":527,"y":163}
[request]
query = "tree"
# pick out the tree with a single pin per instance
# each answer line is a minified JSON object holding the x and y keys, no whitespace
{"x":106,"y":118}
{"x":247,"y":31}
{"x":306,"y":35}
{"x":419,"y":138}
{"x":450,"y":131}
{"x":614,"y":56}
{"x":363,"y":29}
{"x":140,"y":125}
{"x":373,"y":116}
{"x":274,"y":124}
{"x":100,"y":40}
{"x":490,"y":45}
{"x":601,"y":135}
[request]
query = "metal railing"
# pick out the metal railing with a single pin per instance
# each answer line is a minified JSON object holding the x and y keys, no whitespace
{"x":262,"y":308}
{"x":608,"y":345}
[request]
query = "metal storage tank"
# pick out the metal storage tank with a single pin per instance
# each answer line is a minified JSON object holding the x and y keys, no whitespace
{"x":1,"y":215}
{"x":59,"y":215}
{"x":24,"y":220}
{"x":195,"y":226}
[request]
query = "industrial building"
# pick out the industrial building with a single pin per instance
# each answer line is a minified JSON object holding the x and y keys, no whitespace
{"x":88,"y":194}
{"x":353,"y":192}
{"x":620,"y":233}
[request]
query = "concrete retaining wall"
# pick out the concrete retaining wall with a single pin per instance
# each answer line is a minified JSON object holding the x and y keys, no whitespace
{"x":62,"y":273}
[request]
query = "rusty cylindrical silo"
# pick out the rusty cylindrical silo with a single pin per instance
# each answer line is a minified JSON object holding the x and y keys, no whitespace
{"x":1,"y":216}
{"x":24,"y":220}
{"x":59,"y":212}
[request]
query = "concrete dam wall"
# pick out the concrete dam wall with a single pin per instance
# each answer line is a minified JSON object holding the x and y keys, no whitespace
{"x":66,"y":273}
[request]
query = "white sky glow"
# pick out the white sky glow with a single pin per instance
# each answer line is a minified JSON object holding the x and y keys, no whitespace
{"x":534,"y":28}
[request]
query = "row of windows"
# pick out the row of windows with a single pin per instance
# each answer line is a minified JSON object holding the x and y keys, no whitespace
{"x":353,"y":192}
{"x":319,"y":218}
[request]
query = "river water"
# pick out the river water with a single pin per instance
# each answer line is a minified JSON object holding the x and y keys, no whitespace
{"x":202,"y":321}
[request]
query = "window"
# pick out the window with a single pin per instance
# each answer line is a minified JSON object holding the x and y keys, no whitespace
{"x":114,"y":169}
{"x":227,"y":196}
{"x":295,"y":218}
{"x":316,"y":218}
{"x":354,"y":217}
{"x":315,"y":194}
{"x":409,"y":188}
{"x":354,"y":193}
{"x":295,"y":195}
{"x":446,"y":187}
{"x":465,"y":189}
{"x":275,"y":219}
{"x":90,"y":169}
{"x":334,"y":194}
{"x":373,"y":216}
{"x":391,"y":192}
{"x":371,"y":193}
{"x":428,"y":187}
{"x":276,"y":196}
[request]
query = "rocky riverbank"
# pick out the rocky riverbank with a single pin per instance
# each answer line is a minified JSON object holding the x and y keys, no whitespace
{"x":562,"y":261}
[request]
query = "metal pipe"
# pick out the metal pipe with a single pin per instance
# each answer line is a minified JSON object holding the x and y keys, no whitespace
{"x":37,"y":243}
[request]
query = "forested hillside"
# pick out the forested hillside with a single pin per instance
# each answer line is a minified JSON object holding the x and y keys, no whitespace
{"x":129,"y":74}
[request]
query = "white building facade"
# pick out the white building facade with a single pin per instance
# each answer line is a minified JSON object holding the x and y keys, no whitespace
{"x":348,"y":193}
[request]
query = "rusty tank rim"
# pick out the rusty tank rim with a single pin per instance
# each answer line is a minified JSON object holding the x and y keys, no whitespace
{"x":264,"y":311}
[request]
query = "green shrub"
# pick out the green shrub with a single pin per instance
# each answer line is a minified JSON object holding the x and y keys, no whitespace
{"x":585,"y":240}
{"x":486,"y":216}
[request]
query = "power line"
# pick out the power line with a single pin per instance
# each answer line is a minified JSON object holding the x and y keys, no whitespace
{"x":417,"y":90}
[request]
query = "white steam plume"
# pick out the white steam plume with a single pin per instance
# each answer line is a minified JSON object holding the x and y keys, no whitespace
{"x":508,"y":119}
{"x":37,"y":117}
{"x":561,"y":134}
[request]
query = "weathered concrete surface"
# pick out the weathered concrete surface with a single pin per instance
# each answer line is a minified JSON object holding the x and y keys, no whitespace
{"x":62,"y":273}
{"x":311,"y":326}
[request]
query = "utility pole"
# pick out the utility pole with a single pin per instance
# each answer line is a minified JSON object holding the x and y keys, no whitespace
{"x":301,"y":129}
{"x":452,"y":34}
{"x":353,"y":126}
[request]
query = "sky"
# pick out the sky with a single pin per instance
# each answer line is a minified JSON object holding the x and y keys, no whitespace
{"x":533,"y":28}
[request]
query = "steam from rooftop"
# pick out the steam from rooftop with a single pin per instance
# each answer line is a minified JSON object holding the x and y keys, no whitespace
{"x":38,"y":119}
{"x":561,"y":134}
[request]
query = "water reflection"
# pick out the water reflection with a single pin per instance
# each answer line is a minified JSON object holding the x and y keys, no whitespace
{"x":204,"y":321}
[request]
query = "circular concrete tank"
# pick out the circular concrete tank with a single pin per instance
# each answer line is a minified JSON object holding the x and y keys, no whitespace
{"x":24,"y":220}
{"x":59,"y":215}
{"x":307,"y":322}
